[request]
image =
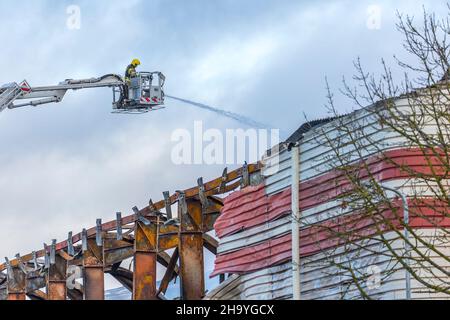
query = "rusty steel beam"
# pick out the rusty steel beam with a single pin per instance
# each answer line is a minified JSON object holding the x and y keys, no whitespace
{"x":117,"y":250}
{"x":3,"y":289}
{"x":191,"y":249}
{"x":37,"y":295}
{"x":189,"y":238}
{"x":93,"y":271}
{"x":15,"y":283}
{"x":170,"y":272}
{"x":211,"y":213}
{"x":75,"y":294}
{"x":167,"y":237}
{"x":145,"y":259}
{"x":114,"y":255}
{"x":56,"y":279}
{"x":164,"y":260}
{"x":124,"y":276}
{"x":217,"y":186}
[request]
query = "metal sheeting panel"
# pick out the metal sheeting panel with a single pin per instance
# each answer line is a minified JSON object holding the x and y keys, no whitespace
{"x":248,"y":208}
{"x":251,"y":206}
{"x":315,"y":203}
{"x":268,"y":284}
{"x":312,"y":216}
{"x":316,"y":150}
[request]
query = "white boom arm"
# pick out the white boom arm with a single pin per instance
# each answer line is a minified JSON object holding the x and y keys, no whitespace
{"x":33,"y":96}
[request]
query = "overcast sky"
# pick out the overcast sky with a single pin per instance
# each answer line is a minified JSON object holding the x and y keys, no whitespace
{"x":64,"y":165}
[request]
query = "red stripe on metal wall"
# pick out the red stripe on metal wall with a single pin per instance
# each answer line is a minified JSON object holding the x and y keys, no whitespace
{"x":251,"y":207}
{"x":425,"y":213}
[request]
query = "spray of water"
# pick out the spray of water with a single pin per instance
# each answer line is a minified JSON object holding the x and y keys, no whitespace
{"x":228,"y":114}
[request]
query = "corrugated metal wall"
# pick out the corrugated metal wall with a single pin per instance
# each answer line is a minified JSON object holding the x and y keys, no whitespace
{"x":254,"y":228}
{"x":321,"y":280}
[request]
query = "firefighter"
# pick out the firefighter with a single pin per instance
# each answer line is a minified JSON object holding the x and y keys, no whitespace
{"x":130,"y":73}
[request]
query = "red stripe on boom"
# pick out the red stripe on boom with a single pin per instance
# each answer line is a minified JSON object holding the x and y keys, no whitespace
{"x":251,"y":207}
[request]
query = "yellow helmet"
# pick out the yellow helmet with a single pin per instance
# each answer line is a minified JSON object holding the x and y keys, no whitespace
{"x":135,"y":62}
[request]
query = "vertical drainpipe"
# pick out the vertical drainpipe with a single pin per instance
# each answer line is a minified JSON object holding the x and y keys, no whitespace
{"x":295,"y":157}
{"x":406,"y":245}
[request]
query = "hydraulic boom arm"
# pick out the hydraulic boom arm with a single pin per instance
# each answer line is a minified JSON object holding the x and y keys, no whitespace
{"x":33,"y":96}
{"x":141,"y":96}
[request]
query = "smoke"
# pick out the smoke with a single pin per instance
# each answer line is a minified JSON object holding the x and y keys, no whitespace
{"x":224,"y":113}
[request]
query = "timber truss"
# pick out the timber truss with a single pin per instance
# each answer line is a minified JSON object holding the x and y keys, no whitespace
{"x":146,"y":236}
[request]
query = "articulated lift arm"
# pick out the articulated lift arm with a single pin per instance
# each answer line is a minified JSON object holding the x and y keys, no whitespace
{"x":145,"y":95}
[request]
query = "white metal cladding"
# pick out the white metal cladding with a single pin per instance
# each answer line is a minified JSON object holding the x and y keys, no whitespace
{"x":316,"y":153}
{"x":268,"y":284}
{"x":333,"y":208}
{"x":320,"y":279}
{"x":255,"y":235}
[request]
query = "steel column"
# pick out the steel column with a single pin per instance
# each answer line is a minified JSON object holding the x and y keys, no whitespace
{"x":3,"y":293}
{"x":191,"y":250}
{"x":295,"y":225}
{"x":170,"y":272}
{"x":75,"y":294}
{"x":124,"y":276}
{"x":35,"y":280}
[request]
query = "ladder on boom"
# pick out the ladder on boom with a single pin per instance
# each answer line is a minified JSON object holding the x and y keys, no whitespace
{"x":142,"y":94}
